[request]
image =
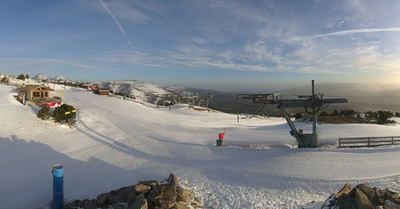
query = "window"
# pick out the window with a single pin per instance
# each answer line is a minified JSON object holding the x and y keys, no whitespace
{"x":36,"y":94}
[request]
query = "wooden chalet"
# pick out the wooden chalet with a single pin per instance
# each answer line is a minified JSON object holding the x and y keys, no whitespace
{"x":103,"y":92}
{"x":34,"y":93}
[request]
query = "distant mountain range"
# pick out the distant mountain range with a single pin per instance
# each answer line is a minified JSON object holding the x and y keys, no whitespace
{"x":44,"y":77}
{"x":361,"y":97}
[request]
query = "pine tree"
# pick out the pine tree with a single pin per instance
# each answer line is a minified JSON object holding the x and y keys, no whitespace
{"x":44,"y":113}
{"x":59,"y":112}
{"x":21,"y":77}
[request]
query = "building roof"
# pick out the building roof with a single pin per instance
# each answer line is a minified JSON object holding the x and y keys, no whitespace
{"x":32,"y":87}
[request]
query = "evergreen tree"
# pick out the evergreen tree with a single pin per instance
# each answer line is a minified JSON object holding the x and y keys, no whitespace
{"x":323,"y":113}
{"x":59,"y":113}
{"x":298,"y":116}
{"x":44,"y":113}
{"x":4,"y":80}
{"x":21,"y":77}
{"x":335,"y":112}
{"x":383,"y":117}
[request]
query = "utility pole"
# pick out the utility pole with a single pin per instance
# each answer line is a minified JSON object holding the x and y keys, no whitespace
{"x":315,"y":112}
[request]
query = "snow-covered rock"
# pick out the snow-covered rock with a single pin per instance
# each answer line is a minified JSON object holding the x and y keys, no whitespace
{"x":143,"y":91}
{"x":41,"y":77}
{"x":61,"y":79}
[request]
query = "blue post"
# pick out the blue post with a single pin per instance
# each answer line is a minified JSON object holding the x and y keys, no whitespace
{"x":58,"y":186}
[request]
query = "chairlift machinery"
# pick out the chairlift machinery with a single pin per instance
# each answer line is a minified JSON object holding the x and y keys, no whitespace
{"x":311,"y":103}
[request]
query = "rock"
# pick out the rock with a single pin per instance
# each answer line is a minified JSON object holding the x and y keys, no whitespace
{"x":388,"y":193}
{"x":378,"y":198}
{"x":395,"y":198}
{"x":345,"y":190}
{"x":173,"y":179}
{"x":183,"y":195}
{"x":361,"y":200}
{"x":87,"y":204}
{"x":346,"y":201}
{"x":163,"y":195}
{"x":196,"y":205}
{"x":151,"y":183}
{"x":142,"y":188}
{"x":390,"y":207}
{"x":366,"y":190}
{"x":118,"y":206}
{"x":116,"y":198}
{"x":101,"y":199}
{"x":144,"y":195}
{"x":180,"y":205}
{"x":128,"y":193}
{"x":139,"y":203}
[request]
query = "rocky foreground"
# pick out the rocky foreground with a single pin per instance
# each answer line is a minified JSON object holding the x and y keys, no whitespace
{"x":150,"y":194}
{"x":363,"y":197}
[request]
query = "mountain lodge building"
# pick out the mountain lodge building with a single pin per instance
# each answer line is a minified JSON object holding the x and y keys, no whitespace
{"x":34,"y":93}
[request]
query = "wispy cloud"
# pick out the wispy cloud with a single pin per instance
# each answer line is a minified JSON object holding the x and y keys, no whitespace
{"x":116,"y":22}
{"x":355,"y":31}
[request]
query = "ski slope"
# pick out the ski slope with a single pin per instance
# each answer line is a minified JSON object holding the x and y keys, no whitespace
{"x":118,"y":143}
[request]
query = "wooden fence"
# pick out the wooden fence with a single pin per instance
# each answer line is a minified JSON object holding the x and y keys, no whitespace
{"x":369,"y":141}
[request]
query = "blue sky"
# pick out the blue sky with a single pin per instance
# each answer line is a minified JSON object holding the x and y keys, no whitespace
{"x":225,"y":45}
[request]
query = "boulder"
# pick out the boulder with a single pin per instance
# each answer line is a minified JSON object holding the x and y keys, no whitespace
{"x":395,"y":198}
{"x":345,"y":190}
{"x":116,"y":198}
{"x":173,"y":179}
{"x":151,"y":183}
{"x":163,"y":196}
{"x":139,"y":203}
{"x":144,"y":195}
{"x":180,"y":205}
{"x":142,"y":188}
{"x":87,"y":204}
{"x":366,"y":190}
{"x":361,"y":200}
{"x":346,"y":201}
{"x":183,"y":195}
{"x":128,"y":193}
{"x":102,"y":199}
{"x":118,"y":206}
{"x":378,"y":198}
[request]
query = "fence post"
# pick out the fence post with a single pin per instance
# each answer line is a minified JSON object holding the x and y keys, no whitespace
{"x":339,"y":143}
{"x":368,"y":141}
{"x":392,"y":140}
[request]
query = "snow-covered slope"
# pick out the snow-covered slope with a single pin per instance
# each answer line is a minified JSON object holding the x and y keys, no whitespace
{"x":118,"y":142}
{"x":61,"y":78}
{"x":143,"y":91}
{"x":41,"y":77}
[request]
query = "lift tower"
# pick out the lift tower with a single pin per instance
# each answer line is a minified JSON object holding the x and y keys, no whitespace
{"x":311,"y":103}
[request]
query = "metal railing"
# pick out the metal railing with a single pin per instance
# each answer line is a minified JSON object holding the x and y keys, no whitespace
{"x":368,"y":141}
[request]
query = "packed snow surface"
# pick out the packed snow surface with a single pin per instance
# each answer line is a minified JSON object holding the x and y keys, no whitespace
{"x":117,"y":143}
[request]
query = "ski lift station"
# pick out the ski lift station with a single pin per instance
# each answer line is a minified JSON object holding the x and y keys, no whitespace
{"x":311,"y":103}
